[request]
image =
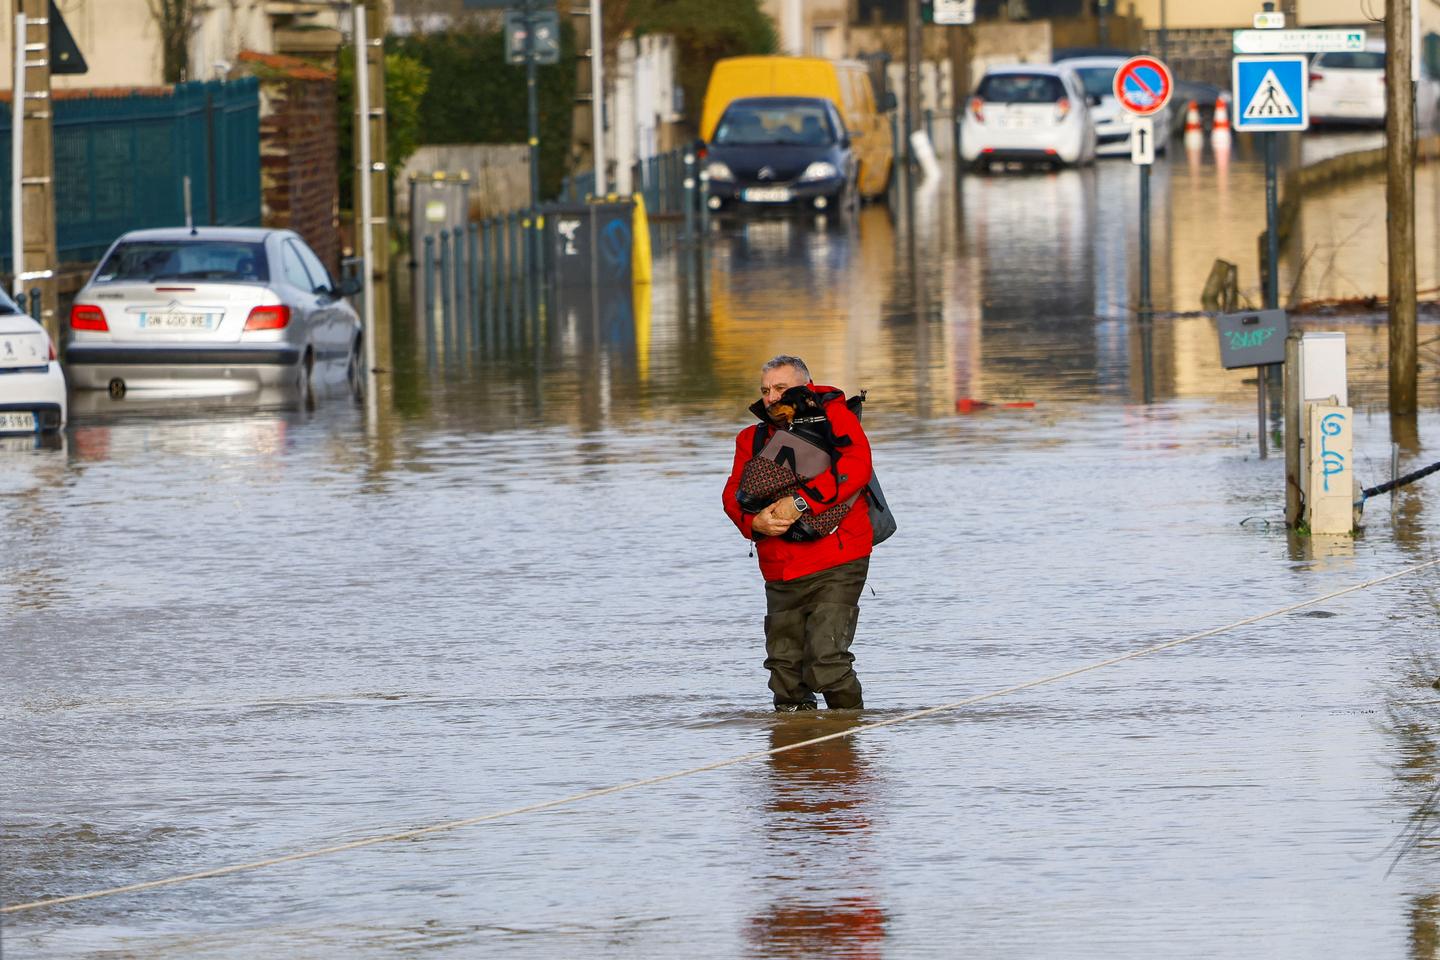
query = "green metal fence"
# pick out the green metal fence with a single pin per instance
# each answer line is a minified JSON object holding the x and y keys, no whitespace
{"x":120,"y":164}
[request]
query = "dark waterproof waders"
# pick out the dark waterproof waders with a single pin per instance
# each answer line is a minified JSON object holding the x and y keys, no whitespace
{"x":809,"y":625}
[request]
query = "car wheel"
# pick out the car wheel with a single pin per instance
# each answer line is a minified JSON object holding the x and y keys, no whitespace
{"x":354,"y":372}
{"x":304,"y":374}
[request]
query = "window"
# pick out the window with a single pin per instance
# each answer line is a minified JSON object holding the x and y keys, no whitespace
{"x":1021,"y":88}
{"x":1098,"y":81}
{"x":1353,"y":60}
{"x":149,"y":260}
{"x":822,"y":40}
{"x":294,"y":269}
{"x":757,"y":122}
{"x":323,"y":281}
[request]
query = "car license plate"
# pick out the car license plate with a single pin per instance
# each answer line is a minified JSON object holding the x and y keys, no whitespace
{"x":16,"y":422}
{"x":767,"y":194}
{"x":175,"y":320}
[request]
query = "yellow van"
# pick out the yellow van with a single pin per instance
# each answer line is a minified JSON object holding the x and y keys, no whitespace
{"x":845,"y":83}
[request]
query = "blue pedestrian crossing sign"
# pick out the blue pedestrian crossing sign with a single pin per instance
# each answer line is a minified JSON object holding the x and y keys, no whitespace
{"x":1270,"y":94}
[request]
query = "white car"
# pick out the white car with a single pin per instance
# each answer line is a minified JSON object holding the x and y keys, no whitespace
{"x":1348,"y":87}
{"x":1112,"y":121}
{"x":32,"y":388}
{"x":211,"y":311}
{"x":1030,"y":113}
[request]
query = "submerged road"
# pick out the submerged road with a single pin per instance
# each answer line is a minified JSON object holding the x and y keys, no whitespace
{"x":235,"y":632}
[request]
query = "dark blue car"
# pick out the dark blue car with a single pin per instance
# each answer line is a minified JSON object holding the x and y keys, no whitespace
{"x":781,"y":153}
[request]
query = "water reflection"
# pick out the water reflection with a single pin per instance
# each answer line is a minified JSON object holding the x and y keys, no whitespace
{"x":512,"y":583}
{"x":821,"y":871}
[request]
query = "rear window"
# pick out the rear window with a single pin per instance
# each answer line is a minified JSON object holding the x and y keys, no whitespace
{"x":148,"y":260}
{"x":1098,"y":81}
{"x":1353,"y":60}
{"x":7,"y":306}
{"x":1021,"y":88}
{"x":750,"y":124}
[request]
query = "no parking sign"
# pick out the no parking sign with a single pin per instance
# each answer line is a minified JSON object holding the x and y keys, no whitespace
{"x":1143,"y":85}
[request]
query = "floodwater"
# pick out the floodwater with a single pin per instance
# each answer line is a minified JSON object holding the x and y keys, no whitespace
{"x":233,"y":633}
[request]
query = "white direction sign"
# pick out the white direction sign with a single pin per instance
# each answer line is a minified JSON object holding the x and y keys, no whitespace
{"x":953,"y":13}
{"x":1142,"y":140}
{"x":1270,"y":94}
{"x":1297,"y":41}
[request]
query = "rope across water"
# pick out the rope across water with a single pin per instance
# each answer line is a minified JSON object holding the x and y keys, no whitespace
{"x":704,"y":768}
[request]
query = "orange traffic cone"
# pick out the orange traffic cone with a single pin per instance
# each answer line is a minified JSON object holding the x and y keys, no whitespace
{"x":1194,"y":133}
{"x":1220,"y":129}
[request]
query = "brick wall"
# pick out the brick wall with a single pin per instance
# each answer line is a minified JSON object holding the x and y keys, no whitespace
{"x":299,"y":149}
{"x":299,"y":152}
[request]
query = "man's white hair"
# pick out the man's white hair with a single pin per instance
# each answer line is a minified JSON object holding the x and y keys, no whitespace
{"x":785,"y":360}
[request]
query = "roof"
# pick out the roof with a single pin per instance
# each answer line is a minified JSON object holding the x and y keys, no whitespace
{"x":279,"y":66}
{"x":1087,"y":63}
{"x":1053,"y":69}
{"x":786,"y":100}
{"x":241,"y":234}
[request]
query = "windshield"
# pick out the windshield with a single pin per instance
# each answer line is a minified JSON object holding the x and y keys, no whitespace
{"x":791,"y":123}
{"x":148,"y":260}
{"x":1021,"y":88}
{"x":1099,"y":81}
{"x":1353,"y":60}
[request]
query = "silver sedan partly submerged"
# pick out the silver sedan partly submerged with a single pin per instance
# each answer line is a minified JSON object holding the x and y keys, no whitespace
{"x":211,"y":310}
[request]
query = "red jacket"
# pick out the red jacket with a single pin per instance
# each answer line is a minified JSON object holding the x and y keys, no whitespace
{"x":782,"y":559}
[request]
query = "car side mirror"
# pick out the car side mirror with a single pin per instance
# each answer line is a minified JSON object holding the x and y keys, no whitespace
{"x":1093,"y":100}
{"x":349,"y":287}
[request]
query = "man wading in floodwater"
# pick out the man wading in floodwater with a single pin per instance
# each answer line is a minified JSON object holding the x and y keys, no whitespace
{"x":796,"y":490}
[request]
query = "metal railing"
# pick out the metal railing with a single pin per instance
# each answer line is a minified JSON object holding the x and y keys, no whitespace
{"x":659,"y":179}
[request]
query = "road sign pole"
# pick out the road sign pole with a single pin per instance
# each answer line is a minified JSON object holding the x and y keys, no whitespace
{"x":1143,"y":86}
{"x":532,"y":236}
{"x":1145,"y":304}
{"x":1260,"y":408}
{"x":533,"y":95}
{"x":1272,"y":227}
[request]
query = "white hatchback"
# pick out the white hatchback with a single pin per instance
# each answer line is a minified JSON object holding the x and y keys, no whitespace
{"x":1030,"y":113}
{"x":32,"y":388}
{"x":1348,"y":87}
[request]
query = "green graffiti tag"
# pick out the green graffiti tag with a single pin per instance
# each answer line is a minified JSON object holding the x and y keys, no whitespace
{"x":1242,"y":339}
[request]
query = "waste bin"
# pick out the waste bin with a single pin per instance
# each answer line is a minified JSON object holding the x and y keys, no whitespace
{"x":591,"y":245}
{"x":439,"y":203}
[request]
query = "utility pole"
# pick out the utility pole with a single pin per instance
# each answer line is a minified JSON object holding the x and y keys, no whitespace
{"x":379,"y":172}
{"x":597,"y":98}
{"x":1164,"y":32}
{"x":1400,"y":205}
{"x":959,"y":82}
{"x":913,"y":53}
{"x":37,"y":164}
{"x":591,"y":87}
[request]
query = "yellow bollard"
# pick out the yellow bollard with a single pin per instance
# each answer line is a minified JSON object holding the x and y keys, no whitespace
{"x":640,"y":246}
{"x":640,"y":307}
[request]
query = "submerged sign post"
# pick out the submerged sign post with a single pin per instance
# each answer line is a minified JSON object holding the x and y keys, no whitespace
{"x":1254,"y":338}
{"x":1143,"y":86}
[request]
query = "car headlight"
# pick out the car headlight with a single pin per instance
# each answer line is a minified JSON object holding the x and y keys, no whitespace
{"x":718,"y":171}
{"x":820,"y":170}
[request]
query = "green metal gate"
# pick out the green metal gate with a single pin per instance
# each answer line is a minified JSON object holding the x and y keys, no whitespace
{"x":120,"y":164}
